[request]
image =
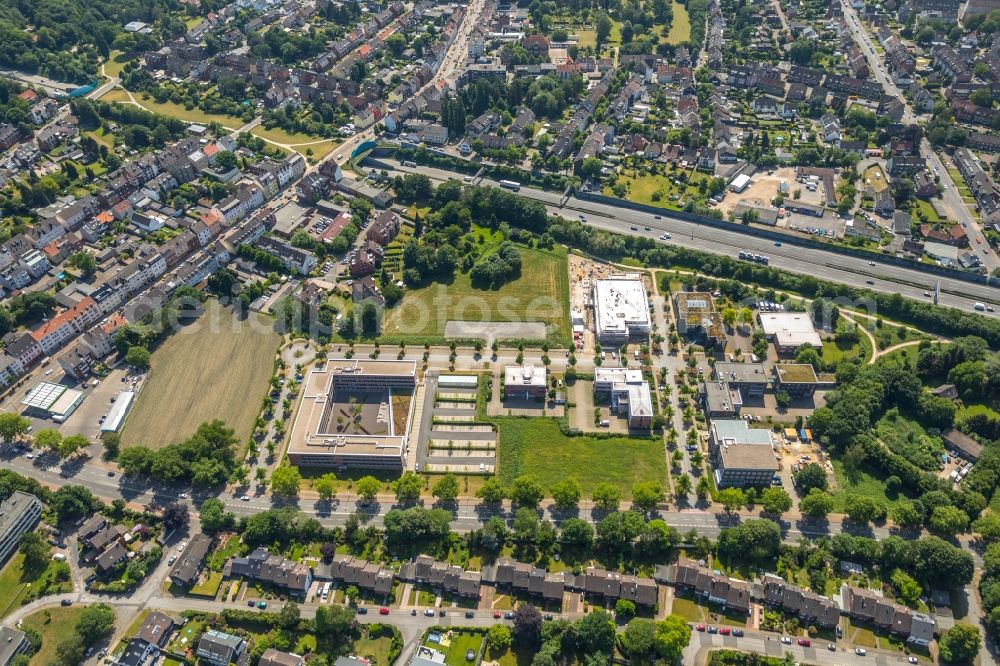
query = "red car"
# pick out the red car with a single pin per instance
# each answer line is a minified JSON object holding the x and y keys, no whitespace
{"x":383,"y":611}
{"x":700,"y":627}
{"x":805,"y":642}
{"x":724,"y":631}
{"x":497,"y":615}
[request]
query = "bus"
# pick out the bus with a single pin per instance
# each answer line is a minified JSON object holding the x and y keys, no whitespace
{"x":409,"y":163}
{"x":510,"y":185}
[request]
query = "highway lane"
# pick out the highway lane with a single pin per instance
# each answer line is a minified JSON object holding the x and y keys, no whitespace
{"x":820,"y":263}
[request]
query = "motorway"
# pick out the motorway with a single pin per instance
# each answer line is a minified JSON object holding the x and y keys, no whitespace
{"x":819,"y":263}
{"x":950,"y":196}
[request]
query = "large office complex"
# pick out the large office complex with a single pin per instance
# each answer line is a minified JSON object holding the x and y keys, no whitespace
{"x":629,"y":394}
{"x":621,"y":309}
{"x":19,"y":513}
{"x":354,"y":413}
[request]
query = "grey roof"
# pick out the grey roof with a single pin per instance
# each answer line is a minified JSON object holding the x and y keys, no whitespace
{"x":12,"y":643}
{"x":189,"y":563}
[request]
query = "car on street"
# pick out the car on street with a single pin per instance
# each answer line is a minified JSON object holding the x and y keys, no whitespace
{"x":546,"y":617}
{"x":713,"y":630}
{"x":497,"y":615}
{"x":183,"y":495}
{"x":429,"y":612}
{"x":180,"y":548}
{"x":738,"y":632}
{"x":725,"y":631}
{"x":362,"y":610}
{"x":805,"y":642}
{"x":869,"y":281}
{"x":262,"y":604}
{"x":470,"y":614}
{"x":860,"y":652}
{"x":383,"y":611}
{"x":913,"y":660}
{"x":111,"y":473}
{"x":173,"y":558}
{"x":831,"y":647}
{"x":700,"y":627}
{"x":634,"y":228}
{"x":786,"y":640}
{"x":66,"y":602}
{"x":509,"y":615}
{"x":251,"y":603}
{"x":245,"y":498}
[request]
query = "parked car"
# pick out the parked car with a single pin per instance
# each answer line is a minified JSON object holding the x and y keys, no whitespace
{"x":725,"y":631}
{"x":700,"y":627}
{"x":497,"y":615}
{"x":805,"y":642}
{"x":713,"y":630}
{"x":383,"y":611}
{"x":66,"y":602}
{"x":786,"y":640}
{"x":262,"y":604}
{"x":738,"y":632}
{"x":860,"y":652}
{"x":429,"y":613}
{"x":251,"y":603}
{"x":362,"y":610}
{"x":509,"y":615}
{"x":469,"y":613}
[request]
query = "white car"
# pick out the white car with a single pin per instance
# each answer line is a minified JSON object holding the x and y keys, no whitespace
{"x":245,"y":498}
{"x":786,"y":640}
{"x":860,"y":652}
{"x":180,"y":548}
{"x":183,"y":495}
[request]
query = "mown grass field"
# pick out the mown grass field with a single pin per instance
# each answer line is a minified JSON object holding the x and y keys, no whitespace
{"x":216,"y":368}
{"x":536,"y":446}
{"x":540,"y":294}
{"x":54,"y":625}
{"x":680,"y":27}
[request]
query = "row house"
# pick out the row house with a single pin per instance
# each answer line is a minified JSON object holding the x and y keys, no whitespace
{"x":989,"y":143}
{"x":91,"y":348}
{"x":970,"y":112}
{"x":944,"y":58}
{"x":9,"y":135}
{"x":23,"y":350}
{"x":864,"y":605}
{"x":261,"y":565}
{"x":853,"y":86}
{"x":54,"y":333}
{"x":442,"y":576}
{"x":808,"y":606}
{"x":361,"y":573}
{"x":296,"y":260}
{"x":717,"y":588}
{"x":952,"y":235}
{"x":983,"y":188}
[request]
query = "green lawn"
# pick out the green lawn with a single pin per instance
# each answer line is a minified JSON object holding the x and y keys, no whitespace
{"x":863,"y":482}
{"x":115,"y":63}
{"x":966,"y":411}
{"x":13,"y":584}
{"x":512,"y":656}
{"x":461,"y":641}
{"x":680,"y":27}
{"x":536,"y":446}
{"x":210,"y":587}
{"x":54,"y":625}
{"x":657,"y":189}
{"x":374,"y":650}
{"x":174,"y":110}
{"x":688,"y":610}
{"x":927,"y":209}
{"x":834,"y":352}
{"x":585,"y":38}
{"x":540,"y":294}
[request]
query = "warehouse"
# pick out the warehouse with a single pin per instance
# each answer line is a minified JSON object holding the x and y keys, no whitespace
{"x":116,"y":417}
{"x":740,"y":183}
{"x":621,"y":309}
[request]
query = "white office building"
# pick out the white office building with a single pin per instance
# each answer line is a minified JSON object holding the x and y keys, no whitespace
{"x":621,"y":309}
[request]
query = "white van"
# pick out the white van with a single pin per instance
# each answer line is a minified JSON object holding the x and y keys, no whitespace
{"x":979,"y":306}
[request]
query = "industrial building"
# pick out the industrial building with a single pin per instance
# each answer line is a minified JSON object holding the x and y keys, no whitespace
{"x":629,"y":394}
{"x":790,"y":330}
{"x":116,"y":416}
{"x":750,"y":379}
{"x":621,"y":309}
{"x":743,"y":456}
{"x":524,"y":381}
{"x":19,"y":513}
{"x":740,"y":183}
{"x":354,"y":413}
{"x":54,"y":401}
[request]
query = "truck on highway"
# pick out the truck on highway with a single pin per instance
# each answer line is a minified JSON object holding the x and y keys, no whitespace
{"x":979,"y":306}
{"x":510,"y":185}
{"x":408,"y":163}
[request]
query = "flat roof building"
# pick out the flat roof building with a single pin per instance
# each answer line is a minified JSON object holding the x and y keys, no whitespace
{"x":697,"y":317}
{"x":790,"y":330}
{"x":19,"y":513}
{"x":621,"y":309}
{"x":54,"y":401}
{"x":629,"y":394}
{"x":749,"y":378}
{"x":12,"y":643}
{"x":524,"y":381}
{"x":352,"y":414}
{"x":798,"y":380}
{"x":743,"y":456}
{"x":721,"y":400}
{"x":118,"y":412}
{"x":740,"y":183}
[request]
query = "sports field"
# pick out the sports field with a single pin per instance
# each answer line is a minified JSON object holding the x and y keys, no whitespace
{"x":540,"y":294}
{"x":216,"y":368}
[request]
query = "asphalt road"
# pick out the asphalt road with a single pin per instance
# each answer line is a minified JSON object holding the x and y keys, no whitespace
{"x":770,"y":645}
{"x":820,"y":263}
